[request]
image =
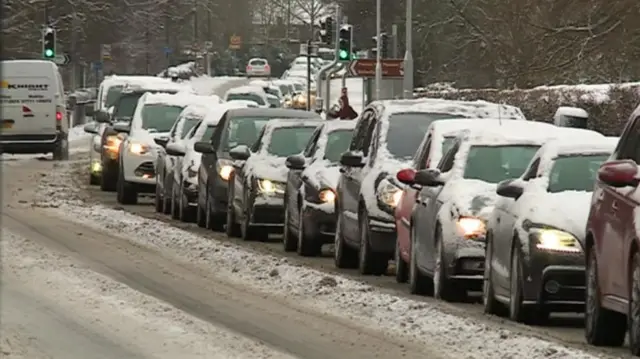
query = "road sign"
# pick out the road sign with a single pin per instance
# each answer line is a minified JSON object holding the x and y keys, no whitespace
{"x":235,"y":42}
{"x":167,"y":50}
{"x":105,"y":52}
{"x":62,"y":59}
{"x":97,"y":66}
{"x":367,"y":68}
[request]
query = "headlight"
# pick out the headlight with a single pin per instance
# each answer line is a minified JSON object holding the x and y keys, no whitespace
{"x":112,"y":143}
{"x":556,"y":240}
{"x":225,"y":169}
{"x":269,"y":187}
{"x":389,"y":194}
{"x":96,"y":167}
{"x":138,"y":148}
{"x":471,"y":228}
{"x":327,"y":196}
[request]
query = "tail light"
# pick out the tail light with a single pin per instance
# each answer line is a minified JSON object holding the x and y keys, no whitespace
{"x":248,"y":68}
{"x":266,"y":67}
{"x":59,"y":116}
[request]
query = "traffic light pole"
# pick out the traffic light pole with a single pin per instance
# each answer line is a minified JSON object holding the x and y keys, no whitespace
{"x":324,"y":95}
{"x":408,"y":56}
{"x":378,"y":46}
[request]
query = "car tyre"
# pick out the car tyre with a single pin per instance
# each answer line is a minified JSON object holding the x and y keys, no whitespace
{"x":344,"y":256}
{"x":126,"y":192}
{"x":489,"y":302}
{"x":158,"y":200}
{"x":603,"y":327}
{"x":232,"y":228}
{"x":369,"y":262}
{"x":443,"y":287}
{"x":108,"y":180}
{"x":418,"y":283}
{"x":308,"y":245}
{"x":201,"y":213}
{"x":289,"y":240}
{"x":518,"y":312}
{"x":186,"y":213}
{"x":166,"y":197}
{"x":214,"y":222}
{"x":93,"y":179}
{"x":402,"y":270}
{"x":61,"y":151}
{"x":175,"y":206}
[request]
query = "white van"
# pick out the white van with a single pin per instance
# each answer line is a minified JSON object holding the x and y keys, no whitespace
{"x":33,"y":112}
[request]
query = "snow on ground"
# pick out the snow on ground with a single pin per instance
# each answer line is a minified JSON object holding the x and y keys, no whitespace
{"x":360,"y":303}
{"x":155,"y":328}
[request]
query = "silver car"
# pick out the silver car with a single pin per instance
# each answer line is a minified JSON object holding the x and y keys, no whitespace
{"x":258,"y":67}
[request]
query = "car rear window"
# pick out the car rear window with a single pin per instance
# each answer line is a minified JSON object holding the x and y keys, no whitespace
{"x":126,"y":106}
{"x":242,"y":131}
{"x":498,"y":163}
{"x":112,"y":95}
{"x":160,"y":117}
{"x":246,"y":96}
{"x":406,"y":131}
{"x":337,"y":143}
{"x":258,"y":62}
{"x":287,"y":141}
{"x":575,"y":173}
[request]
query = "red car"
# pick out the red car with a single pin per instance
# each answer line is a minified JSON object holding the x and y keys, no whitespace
{"x":612,"y":247}
{"x":435,"y":144}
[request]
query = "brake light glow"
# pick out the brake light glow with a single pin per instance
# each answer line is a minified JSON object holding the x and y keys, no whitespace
{"x":248,"y":67}
{"x":58,"y":116}
{"x":266,"y":67}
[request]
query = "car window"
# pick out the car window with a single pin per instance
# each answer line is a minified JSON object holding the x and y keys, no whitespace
{"x":258,"y":62}
{"x":242,"y":131}
{"x":160,"y":117}
{"x":629,"y":145}
{"x":273,"y":101}
{"x":498,"y":163}
{"x":246,"y":96}
{"x":299,"y":87}
{"x":284,"y":89}
{"x":420,"y":162}
{"x":189,"y":123}
{"x":272,"y":91}
{"x":406,"y":132}
{"x":126,"y":106}
{"x":447,"y":161}
{"x":532,"y":172}
{"x":337,"y":144}
{"x":371,"y":127}
{"x":112,"y":95}
{"x":208,"y":133}
{"x":575,"y":173}
{"x":360,"y":131}
{"x":257,"y":146}
{"x":310,"y":150}
{"x":287,"y":141}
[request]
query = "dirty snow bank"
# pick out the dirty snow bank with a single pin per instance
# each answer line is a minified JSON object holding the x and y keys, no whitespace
{"x":154,"y":328}
{"x":337,"y":296}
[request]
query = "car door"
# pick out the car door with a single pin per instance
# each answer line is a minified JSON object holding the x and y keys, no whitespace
{"x":427,"y":209}
{"x":295,"y":180}
{"x":350,"y":180}
{"x":243,"y":182}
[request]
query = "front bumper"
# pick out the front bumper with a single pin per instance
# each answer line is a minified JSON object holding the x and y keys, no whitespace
{"x":382,"y":234}
{"x":464,"y":260}
{"x":139,"y":169}
{"x":319,"y":222}
{"x":268,"y":211}
{"x":190,"y":190}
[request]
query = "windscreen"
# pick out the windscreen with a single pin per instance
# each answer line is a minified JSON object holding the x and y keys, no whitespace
{"x":287,"y":141}
{"x":258,"y":63}
{"x":126,"y":106}
{"x":246,"y":96}
{"x":575,"y":172}
{"x":337,"y":143}
{"x":272,"y":91}
{"x":112,"y":95}
{"x":299,"y":87}
{"x":160,"y":117}
{"x":273,"y":101}
{"x":189,"y":123}
{"x":447,"y":144}
{"x":242,"y":131}
{"x":498,"y":163}
{"x":406,"y":131}
{"x":284,"y":89}
{"x":208,"y":133}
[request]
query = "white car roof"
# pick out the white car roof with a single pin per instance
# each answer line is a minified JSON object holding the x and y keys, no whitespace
{"x":179,"y":99}
{"x":247,"y":103}
{"x":215,"y":113}
{"x":522,"y":132}
{"x":197,"y":110}
{"x":471,"y":109}
{"x":579,"y":145}
{"x":291,"y":122}
{"x":246,"y":89}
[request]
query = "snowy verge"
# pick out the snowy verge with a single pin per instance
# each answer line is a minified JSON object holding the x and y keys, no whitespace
{"x":157,"y":329}
{"x":363,"y":304}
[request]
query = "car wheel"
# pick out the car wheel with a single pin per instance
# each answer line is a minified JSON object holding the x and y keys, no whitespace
{"x":603,"y":327}
{"x":489,"y":302}
{"x":518,"y":312}
{"x":126,"y":191}
{"x":175,"y":206}
{"x":369,"y":262}
{"x":402,"y":271}
{"x":108,"y":180}
{"x":201,"y":212}
{"x":248,"y":231}
{"x":214,"y":220}
{"x":343,"y":256}
{"x":93,"y":179}
{"x":166,"y":196}
{"x":232,"y":227}
{"x":443,"y":287}
{"x":418,"y":282}
{"x":308,"y":245}
{"x":158,"y":201}
{"x":289,"y":241}
{"x":61,"y":151}
{"x":186,"y":212}
{"x":634,"y":307}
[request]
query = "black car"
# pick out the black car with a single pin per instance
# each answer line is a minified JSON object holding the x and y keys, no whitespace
{"x":309,"y":217}
{"x":256,"y":196}
{"x":239,"y":126}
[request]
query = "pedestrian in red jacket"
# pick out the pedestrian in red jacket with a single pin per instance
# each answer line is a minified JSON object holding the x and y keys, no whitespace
{"x":345,"y":111}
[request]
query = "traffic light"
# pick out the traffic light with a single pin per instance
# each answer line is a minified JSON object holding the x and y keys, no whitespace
{"x":329,"y":30}
{"x":49,"y":43}
{"x":384,"y":45}
{"x":346,"y":43}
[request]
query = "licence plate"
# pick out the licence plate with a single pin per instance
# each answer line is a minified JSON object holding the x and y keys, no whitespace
{"x":7,"y":124}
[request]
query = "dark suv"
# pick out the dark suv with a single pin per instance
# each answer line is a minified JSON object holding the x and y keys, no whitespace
{"x":239,"y":126}
{"x":613,"y":247}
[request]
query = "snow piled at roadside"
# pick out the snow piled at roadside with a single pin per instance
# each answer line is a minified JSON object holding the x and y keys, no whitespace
{"x":340,"y":297}
{"x":156,"y":328}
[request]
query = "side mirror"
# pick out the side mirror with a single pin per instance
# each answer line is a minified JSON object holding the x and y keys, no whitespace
{"x":102,"y":116}
{"x":91,"y":128}
{"x":161,"y":141}
{"x":175,"y":149}
{"x":407,"y":176}
{"x":509,"y":189}
{"x":428,"y":178}
{"x":295,"y":162}
{"x":621,"y":173}
{"x":351,"y":159}
{"x":203,"y":147}
{"x":240,"y":153}
{"x":122,"y":127}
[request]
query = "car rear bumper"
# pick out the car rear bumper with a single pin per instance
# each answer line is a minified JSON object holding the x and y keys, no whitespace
{"x":28,"y":144}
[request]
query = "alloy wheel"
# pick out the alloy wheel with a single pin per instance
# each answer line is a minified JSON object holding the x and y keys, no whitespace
{"x":591,"y":300}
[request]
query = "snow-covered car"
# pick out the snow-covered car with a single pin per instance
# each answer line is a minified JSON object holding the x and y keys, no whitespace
{"x":154,"y":117}
{"x":184,"y":189}
{"x":250,"y":93}
{"x":286,"y":88}
{"x":309,"y":204}
{"x":387,"y":136}
{"x":109,"y":93}
{"x":258,"y":67}
{"x":247,"y":103}
{"x":534,"y":262}
{"x":166,"y":163}
{"x":256,"y":196}
{"x":448,"y":224}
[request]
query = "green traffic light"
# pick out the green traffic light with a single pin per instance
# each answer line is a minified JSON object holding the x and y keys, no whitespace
{"x":48,"y":53}
{"x":343,"y":54}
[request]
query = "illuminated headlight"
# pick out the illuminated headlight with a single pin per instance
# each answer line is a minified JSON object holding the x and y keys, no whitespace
{"x":389,"y":194}
{"x":112,"y":143}
{"x":266,"y":186}
{"x":96,"y":167}
{"x":556,"y":240}
{"x":471,"y":227}
{"x":225,"y":169}
{"x":138,"y":148}
{"x":327,"y":196}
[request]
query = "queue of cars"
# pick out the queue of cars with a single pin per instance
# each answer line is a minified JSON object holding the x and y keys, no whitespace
{"x":464,"y":197}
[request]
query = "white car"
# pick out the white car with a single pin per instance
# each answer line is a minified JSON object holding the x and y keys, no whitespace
{"x":286,"y":87}
{"x":538,"y":229}
{"x":154,"y":117}
{"x":184,"y":191}
{"x":251,"y":93}
{"x":247,"y":103}
{"x":258,"y":67}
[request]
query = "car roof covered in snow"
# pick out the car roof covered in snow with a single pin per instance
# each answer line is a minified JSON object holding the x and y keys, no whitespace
{"x":290,"y":122}
{"x":245,"y":89}
{"x":215,"y":113}
{"x":274,"y":113}
{"x":157,"y":84}
{"x":471,"y":109}
{"x":197,"y":110}
{"x":247,"y":103}
{"x":522,"y":132}
{"x":178,"y":99}
{"x":579,"y":145}
{"x":334,"y":125}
